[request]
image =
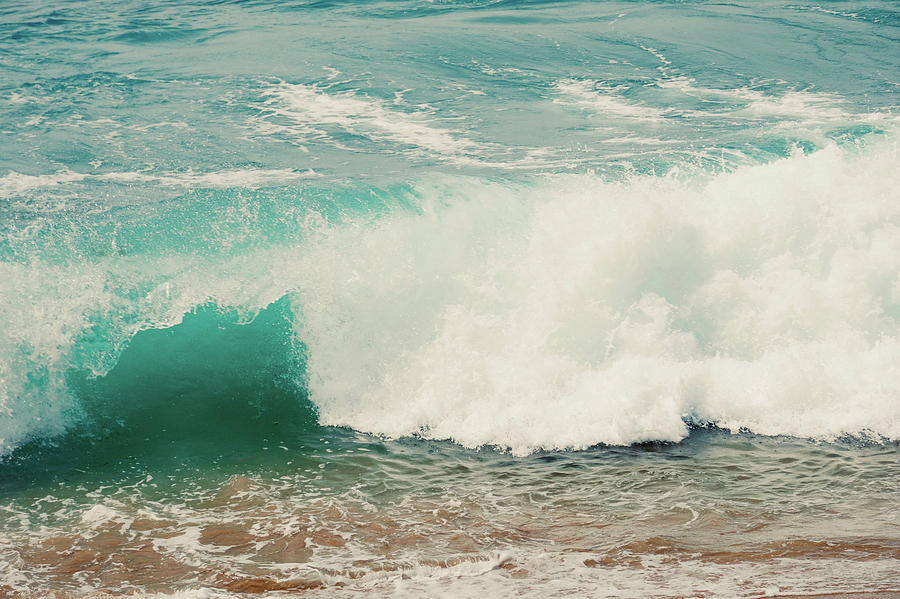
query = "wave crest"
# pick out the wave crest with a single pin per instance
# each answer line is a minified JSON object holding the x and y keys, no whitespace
{"x":558,"y":312}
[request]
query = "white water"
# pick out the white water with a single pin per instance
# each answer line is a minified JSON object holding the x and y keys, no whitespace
{"x":310,"y":110}
{"x":14,"y":184}
{"x":579,"y":311}
{"x":560,"y":313}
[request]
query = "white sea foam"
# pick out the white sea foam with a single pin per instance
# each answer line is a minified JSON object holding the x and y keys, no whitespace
{"x":215,"y":179}
{"x":13,"y":183}
{"x":16,"y":184}
{"x":559,"y":313}
{"x":604,"y":99}
{"x":201,"y":593}
{"x":580,"y":311}
{"x":804,"y":106}
{"x":43,"y":311}
{"x":566,"y":575}
{"x":311,"y":109}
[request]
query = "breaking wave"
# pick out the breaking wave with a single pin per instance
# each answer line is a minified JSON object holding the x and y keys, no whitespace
{"x":555,"y":311}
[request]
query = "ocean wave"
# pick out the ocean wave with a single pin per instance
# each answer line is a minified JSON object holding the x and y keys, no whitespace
{"x":554,"y":312}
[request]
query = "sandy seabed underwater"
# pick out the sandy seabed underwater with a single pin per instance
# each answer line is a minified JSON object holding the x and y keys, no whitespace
{"x":451,"y":298}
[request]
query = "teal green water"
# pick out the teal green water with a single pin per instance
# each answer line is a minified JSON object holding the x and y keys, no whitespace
{"x":449,"y":298}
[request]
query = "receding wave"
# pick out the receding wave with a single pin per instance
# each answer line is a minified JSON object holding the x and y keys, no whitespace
{"x":551,"y":312}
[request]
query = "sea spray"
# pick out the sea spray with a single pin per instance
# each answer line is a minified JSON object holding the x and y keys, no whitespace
{"x":559,"y":312}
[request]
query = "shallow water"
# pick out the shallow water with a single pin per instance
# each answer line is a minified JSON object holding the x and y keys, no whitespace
{"x":329,"y":510}
{"x":454,"y":298}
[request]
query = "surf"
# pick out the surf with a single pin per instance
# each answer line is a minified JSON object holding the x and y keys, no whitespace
{"x":545,"y":312}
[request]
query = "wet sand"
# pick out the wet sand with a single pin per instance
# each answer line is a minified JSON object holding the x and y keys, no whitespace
{"x":861,"y":595}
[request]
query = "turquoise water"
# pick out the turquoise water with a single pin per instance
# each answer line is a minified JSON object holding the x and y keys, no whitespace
{"x":463,"y":298}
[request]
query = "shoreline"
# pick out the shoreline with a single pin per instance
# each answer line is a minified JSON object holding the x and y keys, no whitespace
{"x":847,"y":595}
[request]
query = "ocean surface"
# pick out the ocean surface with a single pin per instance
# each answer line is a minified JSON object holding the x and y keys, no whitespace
{"x":463,"y":298}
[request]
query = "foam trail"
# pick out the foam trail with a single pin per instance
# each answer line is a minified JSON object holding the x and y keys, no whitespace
{"x":784,"y":108}
{"x":15,"y":184}
{"x":309,"y":108}
{"x":604,"y":99}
